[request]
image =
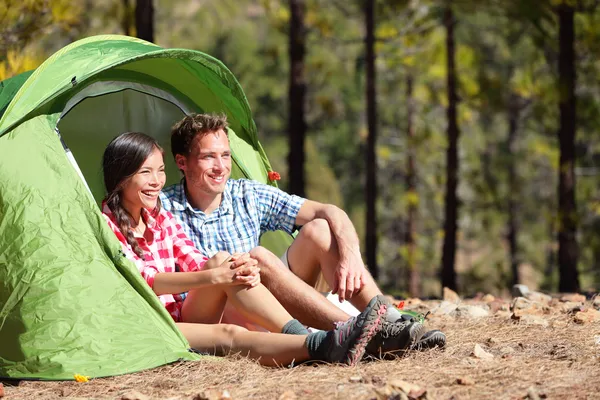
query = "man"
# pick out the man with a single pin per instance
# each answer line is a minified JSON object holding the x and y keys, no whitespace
{"x":222,"y":214}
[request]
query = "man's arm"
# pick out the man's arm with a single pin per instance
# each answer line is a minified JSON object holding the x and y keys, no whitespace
{"x":350,"y":273}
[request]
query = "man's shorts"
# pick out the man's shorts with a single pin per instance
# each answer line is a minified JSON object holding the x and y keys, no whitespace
{"x":320,"y":285}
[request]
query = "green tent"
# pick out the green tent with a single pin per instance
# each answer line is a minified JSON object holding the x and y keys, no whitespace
{"x":70,"y":303}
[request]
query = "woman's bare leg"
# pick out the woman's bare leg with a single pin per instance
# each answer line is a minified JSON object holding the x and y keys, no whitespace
{"x":269,"y":348}
{"x":257,"y":304}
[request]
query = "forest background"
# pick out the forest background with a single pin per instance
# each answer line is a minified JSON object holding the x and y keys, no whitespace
{"x":460,"y":136}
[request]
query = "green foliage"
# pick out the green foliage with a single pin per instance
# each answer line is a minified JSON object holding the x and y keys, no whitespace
{"x":506,"y":58}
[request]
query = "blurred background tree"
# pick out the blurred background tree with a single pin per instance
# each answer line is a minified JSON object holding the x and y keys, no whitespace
{"x":526,"y":167}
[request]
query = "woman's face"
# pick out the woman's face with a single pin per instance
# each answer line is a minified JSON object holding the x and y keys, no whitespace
{"x":142,"y":189}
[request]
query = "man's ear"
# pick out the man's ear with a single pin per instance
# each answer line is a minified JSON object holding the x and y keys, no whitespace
{"x":180,"y":161}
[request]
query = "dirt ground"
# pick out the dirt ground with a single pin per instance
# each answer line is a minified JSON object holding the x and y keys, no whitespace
{"x":550,"y":356}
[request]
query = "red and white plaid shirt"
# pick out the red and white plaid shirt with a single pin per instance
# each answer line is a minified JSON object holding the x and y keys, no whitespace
{"x":168,"y":246}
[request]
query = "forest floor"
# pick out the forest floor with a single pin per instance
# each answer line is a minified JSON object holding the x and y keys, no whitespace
{"x":497,"y":349}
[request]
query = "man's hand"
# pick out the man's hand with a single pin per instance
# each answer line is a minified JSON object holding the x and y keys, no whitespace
{"x":349,"y":279}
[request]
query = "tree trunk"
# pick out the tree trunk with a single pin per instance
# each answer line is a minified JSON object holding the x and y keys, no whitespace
{"x":144,"y":20}
{"x":371,"y":182}
{"x":126,"y":21}
{"x":567,"y":210}
{"x":452,"y":164}
{"x":513,"y":118}
{"x":296,"y":93}
{"x":414,"y":278}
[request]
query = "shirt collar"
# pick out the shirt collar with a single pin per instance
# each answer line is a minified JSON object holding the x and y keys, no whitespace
{"x":180,"y":201}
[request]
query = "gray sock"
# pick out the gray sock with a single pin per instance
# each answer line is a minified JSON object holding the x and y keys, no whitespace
{"x":294,"y":327}
{"x":317,"y":343}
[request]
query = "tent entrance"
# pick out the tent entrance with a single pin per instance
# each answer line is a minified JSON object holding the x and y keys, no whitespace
{"x":103,"y":110}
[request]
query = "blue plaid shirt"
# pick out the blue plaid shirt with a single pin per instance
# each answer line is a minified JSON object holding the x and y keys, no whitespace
{"x":247,"y":210}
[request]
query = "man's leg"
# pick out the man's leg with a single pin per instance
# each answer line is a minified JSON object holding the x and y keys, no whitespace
{"x":315,"y":250}
{"x":302,"y":301}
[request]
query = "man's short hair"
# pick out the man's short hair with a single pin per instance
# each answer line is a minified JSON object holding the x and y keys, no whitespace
{"x":184,"y":131}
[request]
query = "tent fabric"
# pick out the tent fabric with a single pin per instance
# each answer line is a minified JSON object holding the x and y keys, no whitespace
{"x":9,"y":87}
{"x":70,"y":303}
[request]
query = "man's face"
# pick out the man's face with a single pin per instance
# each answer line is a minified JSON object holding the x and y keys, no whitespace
{"x":208,"y":166}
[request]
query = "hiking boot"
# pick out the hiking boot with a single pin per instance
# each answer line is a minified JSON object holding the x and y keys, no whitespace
{"x":350,"y":338}
{"x":395,"y":337}
{"x":431,"y":340}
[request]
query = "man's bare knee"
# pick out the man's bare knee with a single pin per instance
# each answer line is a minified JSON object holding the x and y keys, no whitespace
{"x":217,"y":259}
{"x":262,"y":254}
{"x":318,"y":232}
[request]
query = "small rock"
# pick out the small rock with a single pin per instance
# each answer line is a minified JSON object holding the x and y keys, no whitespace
{"x":356,"y":379}
{"x":491,"y":341}
{"x":520,"y":291}
{"x":480,"y":353}
{"x":571,"y":307}
{"x":521,"y":303}
{"x":451,"y":296}
{"x":412,"y":391}
{"x":503,"y":314}
{"x":288,"y":395}
{"x":471,"y":311}
{"x":532,"y":394}
{"x":596,"y":302}
{"x":507,"y":350}
{"x":534,"y":320}
{"x":500,"y":305}
{"x":575,"y":297}
{"x":488,"y":298}
{"x":589,"y":315}
{"x":134,"y":395}
{"x":518,"y":313}
{"x":444,"y":308}
{"x":539,"y":297}
{"x":466,"y":381}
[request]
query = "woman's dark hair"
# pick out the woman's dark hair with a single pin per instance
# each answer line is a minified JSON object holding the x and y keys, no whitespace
{"x":123,"y":157}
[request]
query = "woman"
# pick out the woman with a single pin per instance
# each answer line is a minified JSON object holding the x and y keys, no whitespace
{"x":150,"y":236}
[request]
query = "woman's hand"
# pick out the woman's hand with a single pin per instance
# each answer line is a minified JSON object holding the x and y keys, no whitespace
{"x":239,"y":269}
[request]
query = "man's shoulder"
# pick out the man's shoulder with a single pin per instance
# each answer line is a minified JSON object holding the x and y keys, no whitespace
{"x":170,"y":197}
{"x":241,"y":187}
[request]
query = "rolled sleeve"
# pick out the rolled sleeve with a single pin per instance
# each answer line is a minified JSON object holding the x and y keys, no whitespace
{"x":278,"y":208}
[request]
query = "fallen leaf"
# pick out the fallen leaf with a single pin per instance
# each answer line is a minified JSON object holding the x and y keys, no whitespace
{"x":81,"y":378}
{"x":466,"y":381}
{"x":480,"y":353}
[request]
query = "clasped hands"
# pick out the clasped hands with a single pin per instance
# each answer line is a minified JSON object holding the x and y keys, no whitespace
{"x":239,"y":269}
